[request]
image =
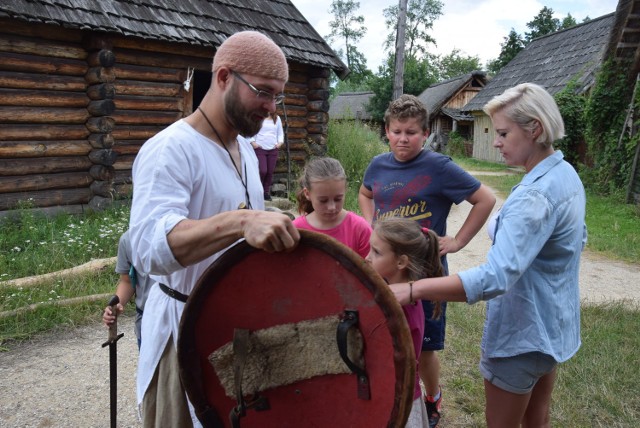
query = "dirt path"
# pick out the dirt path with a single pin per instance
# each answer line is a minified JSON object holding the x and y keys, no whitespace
{"x":62,"y":380}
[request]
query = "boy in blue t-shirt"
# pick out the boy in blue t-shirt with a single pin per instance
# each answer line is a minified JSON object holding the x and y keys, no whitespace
{"x":422,"y":185}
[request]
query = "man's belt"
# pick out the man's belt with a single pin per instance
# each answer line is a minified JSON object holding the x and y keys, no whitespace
{"x":173,"y":293}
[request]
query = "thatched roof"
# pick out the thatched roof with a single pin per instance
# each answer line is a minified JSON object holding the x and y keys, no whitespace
{"x":350,"y":105}
{"x":437,"y":95}
{"x":202,"y":22}
{"x":552,"y":61}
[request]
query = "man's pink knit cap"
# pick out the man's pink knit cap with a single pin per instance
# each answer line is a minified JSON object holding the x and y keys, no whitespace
{"x":252,"y":53}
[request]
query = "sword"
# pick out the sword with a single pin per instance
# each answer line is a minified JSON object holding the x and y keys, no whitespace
{"x":113,"y":360}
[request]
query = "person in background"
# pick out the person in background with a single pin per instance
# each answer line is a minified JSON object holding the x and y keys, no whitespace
{"x":422,"y":185}
{"x":402,"y":251}
{"x":197,"y":191}
{"x":323,"y":188}
{"x":266,"y":143}
{"x":131,"y":282}
{"x":530,"y":278}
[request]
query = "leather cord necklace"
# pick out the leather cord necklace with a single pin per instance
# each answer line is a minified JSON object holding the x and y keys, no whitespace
{"x":245,"y":185}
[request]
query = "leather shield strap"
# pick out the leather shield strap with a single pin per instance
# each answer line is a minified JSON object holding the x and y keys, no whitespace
{"x":348,"y":321}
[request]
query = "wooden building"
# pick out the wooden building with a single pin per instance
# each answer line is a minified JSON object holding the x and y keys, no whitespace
{"x":445,"y":100}
{"x":352,"y":106}
{"x":84,"y":84}
{"x":551,"y":61}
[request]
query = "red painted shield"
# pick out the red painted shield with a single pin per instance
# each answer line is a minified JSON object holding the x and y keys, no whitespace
{"x":253,"y":290}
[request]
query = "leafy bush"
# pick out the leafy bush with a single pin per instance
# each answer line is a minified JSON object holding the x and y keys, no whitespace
{"x":455,"y":146}
{"x":354,"y":144}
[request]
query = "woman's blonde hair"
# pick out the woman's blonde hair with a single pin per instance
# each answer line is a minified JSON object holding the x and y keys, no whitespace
{"x":528,"y":105}
{"x":420,"y":245}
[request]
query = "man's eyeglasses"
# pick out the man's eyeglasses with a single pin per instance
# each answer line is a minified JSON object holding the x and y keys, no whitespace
{"x":263,"y":95}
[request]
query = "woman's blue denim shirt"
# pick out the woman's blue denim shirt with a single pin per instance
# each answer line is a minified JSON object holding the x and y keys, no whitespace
{"x":531,"y":273}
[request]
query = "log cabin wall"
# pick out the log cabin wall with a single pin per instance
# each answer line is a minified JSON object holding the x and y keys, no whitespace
{"x":76,"y":106}
{"x":44,"y":109}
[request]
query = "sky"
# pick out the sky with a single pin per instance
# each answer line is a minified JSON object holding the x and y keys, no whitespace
{"x":475,"y":27}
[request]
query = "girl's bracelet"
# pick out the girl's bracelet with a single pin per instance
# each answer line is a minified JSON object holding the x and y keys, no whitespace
{"x":411,"y":301}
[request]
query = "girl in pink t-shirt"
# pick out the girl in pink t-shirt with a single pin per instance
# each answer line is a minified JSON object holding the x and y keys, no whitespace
{"x":323,"y":188}
{"x":402,"y":251}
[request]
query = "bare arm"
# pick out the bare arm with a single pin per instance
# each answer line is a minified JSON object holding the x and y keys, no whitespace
{"x":194,"y":240}
{"x":124,"y":291}
{"x":365,"y":200}
{"x":483,"y":201}
{"x":446,"y":289}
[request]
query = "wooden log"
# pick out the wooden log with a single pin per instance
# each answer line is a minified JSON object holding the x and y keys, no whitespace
{"x":40,"y":31}
{"x":155,"y":46}
{"x":37,"y":149}
{"x":102,"y":188}
{"x":43,"y":48}
{"x":157,"y":59}
{"x":101,"y":91}
{"x":132,"y":87}
{"x":136,"y":132}
{"x":148,"y":103}
{"x":296,"y":100}
{"x":297,"y":77}
{"x":318,"y":117}
{"x":25,"y":183}
{"x":96,"y":75}
{"x":10,"y":79}
{"x":124,"y":162}
{"x":101,"y":125}
{"x":55,"y":303}
{"x":94,"y":41}
{"x":297,"y":133}
{"x":295,"y":111}
{"x":123,"y":191}
{"x":19,"y":114}
{"x":9,"y":167}
{"x":27,"y":97}
{"x":101,"y":141}
{"x":100,"y":203}
{"x":296,"y":88}
{"x":320,"y":105}
{"x":318,"y":128}
{"x":318,"y":83}
{"x":127,"y":149}
{"x":103,"y":157}
{"x":43,"y":65}
{"x":123,"y":177}
{"x":318,"y":139}
{"x":318,"y":94}
{"x":148,"y":74}
{"x":46,"y":198}
{"x":141,"y":117}
{"x":102,"y":172}
{"x":43,"y":132}
{"x":101,"y":58}
{"x":297,"y":122}
{"x":101,"y":107}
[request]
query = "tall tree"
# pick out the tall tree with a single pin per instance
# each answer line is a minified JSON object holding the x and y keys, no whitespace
{"x":543,"y":23}
{"x":454,"y":64}
{"x":512,"y":44}
{"x":568,"y":22}
{"x":421,"y":14}
{"x":348,"y":26}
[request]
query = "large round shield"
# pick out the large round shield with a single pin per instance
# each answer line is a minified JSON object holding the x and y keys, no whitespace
{"x":311,"y":337}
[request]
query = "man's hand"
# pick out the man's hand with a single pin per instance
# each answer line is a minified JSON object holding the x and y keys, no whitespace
{"x":448,"y":245}
{"x":271,"y":232}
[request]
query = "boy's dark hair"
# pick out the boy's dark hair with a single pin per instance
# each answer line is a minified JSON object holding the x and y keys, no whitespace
{"x":406,"y":107}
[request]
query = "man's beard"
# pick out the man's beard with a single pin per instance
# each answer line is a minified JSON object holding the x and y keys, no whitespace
{"x":238,"y":116}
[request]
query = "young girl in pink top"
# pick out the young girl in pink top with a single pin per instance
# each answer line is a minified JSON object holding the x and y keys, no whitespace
{"x":403,"y":251}
{"x":323,"y":187}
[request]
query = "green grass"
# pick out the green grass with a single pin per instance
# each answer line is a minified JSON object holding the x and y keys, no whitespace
{"x":31,"y":244}
{"x":597,"y":387}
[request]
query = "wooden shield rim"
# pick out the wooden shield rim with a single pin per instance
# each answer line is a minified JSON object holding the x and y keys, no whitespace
{"x":404,"y":356}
